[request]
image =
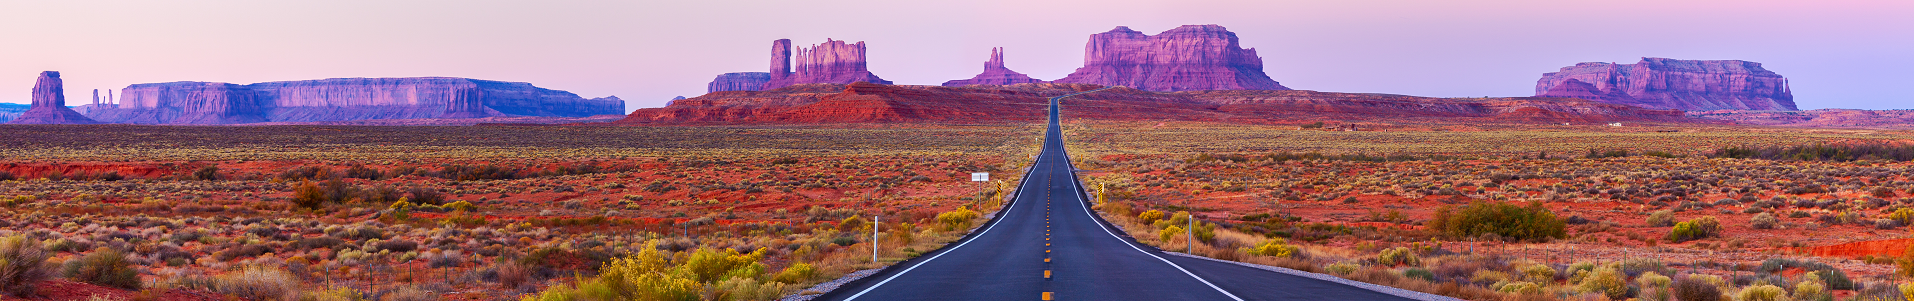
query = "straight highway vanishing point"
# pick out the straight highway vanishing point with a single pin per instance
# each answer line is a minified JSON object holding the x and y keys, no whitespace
{"x":1030,"y":254}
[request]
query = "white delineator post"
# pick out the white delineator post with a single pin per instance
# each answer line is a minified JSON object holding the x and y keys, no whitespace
{"x":1189,"y":243}
{"x":875,"y":222}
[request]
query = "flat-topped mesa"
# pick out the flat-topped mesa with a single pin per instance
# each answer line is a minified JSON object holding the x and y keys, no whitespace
{"x":994,"y":73}
{"x":738,"y":81}
{"x":1661,"y":83}
{"x":833,"y":62}
{"x":343,"y":99}
{"x":49,"y":104}
{"x":1188,"y":58}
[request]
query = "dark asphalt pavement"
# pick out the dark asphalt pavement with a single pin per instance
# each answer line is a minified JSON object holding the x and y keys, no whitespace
{"x":1049,"y":228}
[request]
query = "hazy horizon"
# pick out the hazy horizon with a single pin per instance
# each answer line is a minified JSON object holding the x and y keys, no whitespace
{"x":1836,"y":54}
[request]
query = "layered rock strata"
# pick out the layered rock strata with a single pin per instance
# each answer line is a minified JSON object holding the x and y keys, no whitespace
{"x":738,"y":81}
{"x":49,"y":104}
{"x":994,"y":73}
{"x":1188,"y":58}
{"x":1662,"y":83}
{"x":876,"y":103}
{"x":342,"y":99}
{"x":833,"y":62}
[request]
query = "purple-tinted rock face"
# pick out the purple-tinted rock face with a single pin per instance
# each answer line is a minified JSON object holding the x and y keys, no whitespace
{"x":1192,"y":57}
{"x":341,"y":99}
{"x":1673,"y":84}
{"x":833,"y":62}
{"x":994,"y":73}
{"x":49,"y":104}
{"x":738,"y":81}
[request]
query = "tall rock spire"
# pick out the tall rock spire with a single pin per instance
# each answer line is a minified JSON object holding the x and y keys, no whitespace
{"x":49,"y":104}
{"x":994,"y":73}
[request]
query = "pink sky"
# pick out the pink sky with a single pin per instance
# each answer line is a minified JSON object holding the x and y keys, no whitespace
{"x":1836,"y":54}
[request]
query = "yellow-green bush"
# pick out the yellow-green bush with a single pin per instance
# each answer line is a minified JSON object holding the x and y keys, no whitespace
{"x":1398,"y":256}
{"x":702,"y":274}
{"x":1538,"y":273}
{"x":1150,"y":217}
{"x":1698,"y":228}
{"x":1606,"y":281}
{"x":1277,"y":247}
{"x":1761,"y":293}
{"x":797,"y":272}
{"x":955,"y":220}
{"x":1167,"y":233}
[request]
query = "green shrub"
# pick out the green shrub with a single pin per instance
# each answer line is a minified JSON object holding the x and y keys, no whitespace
{"x":1341,"y":268}
{"x":1418,"y":273}
{"x":105,"y":267}
{"x":1694,"y":288}
{"x":1698,"y":228}
{"x":1608,"y":282}
{"x":1398,"y":256}
{"x":1661,"y":218}
{"x":1538,"y":273}
{"x":1812,"y":289}
{"x":22,"y":264}
{"x":1765,"y":221}
{"x":1654,"y":286}
{"x":1532,"y":222}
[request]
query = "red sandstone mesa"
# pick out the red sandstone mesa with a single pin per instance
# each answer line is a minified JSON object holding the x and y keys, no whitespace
{"x":49,"y":104}
{"x":1188,"y":58}
{"x":343,"y":99}
{"x":833,"y":62}
{"x":876,"y":103}
{"x":738,"y":81}
{"x":1673,"y":84}
{"x":994,"y":73}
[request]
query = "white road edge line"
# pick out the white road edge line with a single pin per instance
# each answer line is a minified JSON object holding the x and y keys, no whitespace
{"x":1093,"y":219}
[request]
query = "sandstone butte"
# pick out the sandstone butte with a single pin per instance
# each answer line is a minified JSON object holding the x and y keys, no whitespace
{"x":1661,"y":83}
{"x":833,"y":62}
{"x":879,"y":103}
{"x":738,"y":81}
{"x":994,"y":73}
{"x":1188,"y":58}
{"x":342,"y":99}
{"x":49,"y":104}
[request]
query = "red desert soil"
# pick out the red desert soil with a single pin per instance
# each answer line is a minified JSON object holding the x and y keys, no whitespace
{"x":63,"y":290}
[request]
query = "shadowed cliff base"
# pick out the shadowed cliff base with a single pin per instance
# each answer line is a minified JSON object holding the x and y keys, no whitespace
{"x":876,"y":103}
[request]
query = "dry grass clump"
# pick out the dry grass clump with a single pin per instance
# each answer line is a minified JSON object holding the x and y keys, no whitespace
{"x":22,"y":264}
{"x":104,"y":266}
{"x":250,"y":283}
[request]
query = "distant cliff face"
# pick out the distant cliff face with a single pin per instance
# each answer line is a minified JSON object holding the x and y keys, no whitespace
{"x":342,"y":99}
{"x":994,"y":73}
{"x":1673,"y":84}
{"x":833,"y":62}
{"x":738,"y":81}
{"x":1188,"y":58}
{"x":49,"y":104}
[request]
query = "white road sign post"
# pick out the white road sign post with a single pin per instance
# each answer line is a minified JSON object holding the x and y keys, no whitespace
{"x":982,"y":178}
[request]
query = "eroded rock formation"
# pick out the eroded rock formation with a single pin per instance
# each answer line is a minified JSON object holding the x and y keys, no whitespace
{"x":876,"y":103}
{"x":1672,"y":84}
{"x":833,"y":62}
{"x":738,"y":81}
{"x":49,"y":104}
{"x":994,"y":73}
{"x":341,"y":99}
{"x":1188,"y":58}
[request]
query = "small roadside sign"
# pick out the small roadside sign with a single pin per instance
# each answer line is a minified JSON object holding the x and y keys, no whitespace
{"x":980,"y":177}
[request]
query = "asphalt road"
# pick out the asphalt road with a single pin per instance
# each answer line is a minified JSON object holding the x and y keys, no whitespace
{"x":1049,"y":230}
